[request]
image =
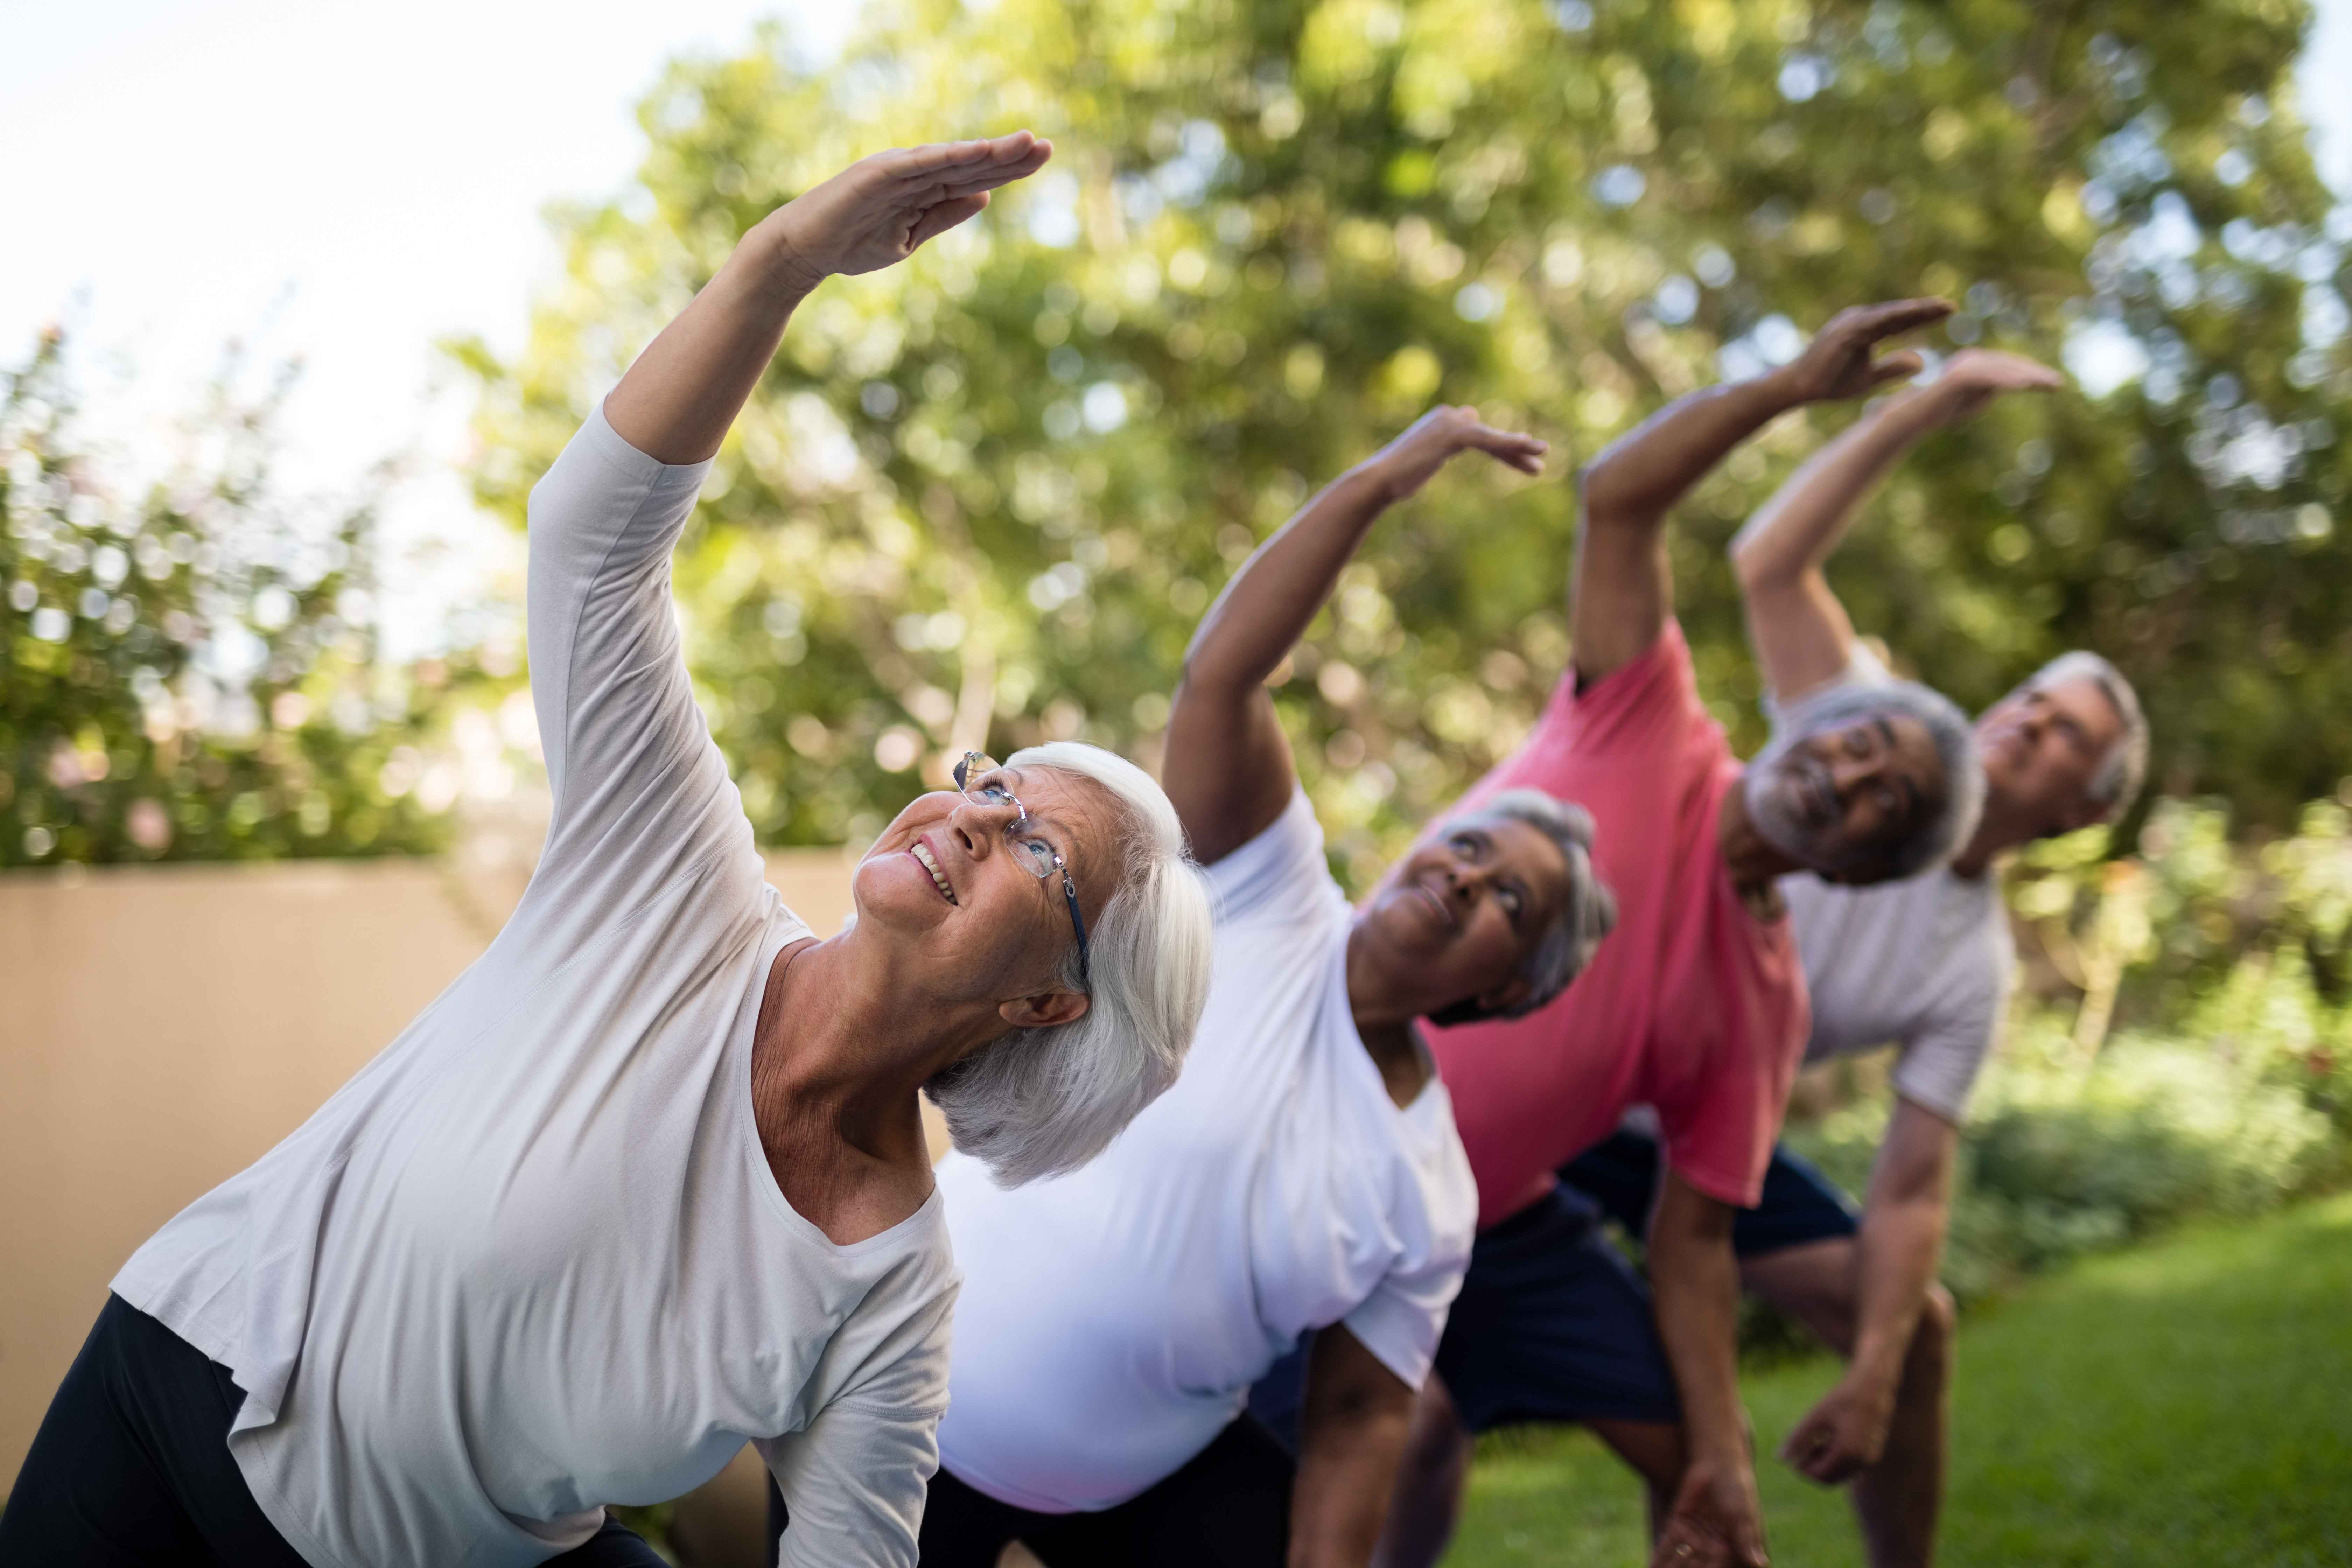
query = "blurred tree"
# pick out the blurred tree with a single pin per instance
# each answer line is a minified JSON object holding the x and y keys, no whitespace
{"x":187,"y":673}
{"x":987,"y":494}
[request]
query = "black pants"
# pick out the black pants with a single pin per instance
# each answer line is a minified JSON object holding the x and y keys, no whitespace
{"x":1229,"y":1508}
{"x":131,"y":1467}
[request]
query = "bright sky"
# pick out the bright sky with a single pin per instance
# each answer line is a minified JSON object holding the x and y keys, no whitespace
{"x":346,"y":182}
{"x":349,"y":183}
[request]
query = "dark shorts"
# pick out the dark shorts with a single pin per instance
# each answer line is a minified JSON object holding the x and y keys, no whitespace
{"x":130,"y":1466}
{"x":1229,"y":1507}
{"x":1800,"y":1204}
{"x":1553,"y":1324}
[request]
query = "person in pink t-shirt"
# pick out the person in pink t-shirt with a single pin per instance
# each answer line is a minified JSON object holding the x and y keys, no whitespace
{"x":1695,"y":1006}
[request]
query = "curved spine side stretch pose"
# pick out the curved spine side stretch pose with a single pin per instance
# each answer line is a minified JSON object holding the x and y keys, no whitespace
{"x":1925,"y":963}
{"x":1695,"y":1006}
{"x":649,"y":1179}
{"x":1305,"y":1174}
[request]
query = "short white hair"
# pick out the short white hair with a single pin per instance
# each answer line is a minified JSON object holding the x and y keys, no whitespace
{"x":1043,"y":1101}
{"x":2124,"y":767}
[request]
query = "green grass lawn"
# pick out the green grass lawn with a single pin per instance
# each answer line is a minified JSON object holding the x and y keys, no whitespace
{"x":2185,"y":1403}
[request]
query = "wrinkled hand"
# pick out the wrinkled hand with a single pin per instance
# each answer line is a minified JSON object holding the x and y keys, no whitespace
{"x":1843,"y":1435}
{"x":1717,"y":1522}
{"x":1838,"y":364}
{"x":1408,"y":462}
{"x":1976,"y":376}
{"x":881,"y":209}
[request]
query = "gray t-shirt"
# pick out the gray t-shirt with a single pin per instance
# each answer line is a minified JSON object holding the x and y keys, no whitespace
{"x":532,"y":1259}
{"x":1926,"y":965}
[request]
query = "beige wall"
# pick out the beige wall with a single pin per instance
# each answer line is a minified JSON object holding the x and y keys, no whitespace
{"x":162,"y":1026}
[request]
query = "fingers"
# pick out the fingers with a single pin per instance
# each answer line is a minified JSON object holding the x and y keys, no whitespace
{"x":1873,"y":322}
{"x":944,"y":216}
{"x":966,"y":166}
{"x":1900,"y":366}
{"x":1524,"y":453}
{"x":1683,"y":1545}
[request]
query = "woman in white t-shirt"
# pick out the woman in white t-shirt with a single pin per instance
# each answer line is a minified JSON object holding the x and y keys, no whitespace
{"x":649,"y":1179}
{"x":1304,"y":1174}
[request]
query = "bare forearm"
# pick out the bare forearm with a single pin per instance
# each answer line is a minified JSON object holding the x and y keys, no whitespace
{"x":1695,"y":1280}
{"x":1796,"y":529}
{"x":684,"y":390}
{"x":1900,"y":1246}
{"x":1340,"y":1498}
{"x":1267,"y":607}
{"x":1640,"y":477}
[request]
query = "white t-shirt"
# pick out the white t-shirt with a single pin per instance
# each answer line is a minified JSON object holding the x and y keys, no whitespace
{"x":1924,"y":965}
{"x":531,"y":1259}
{"x":1112,"y":1321}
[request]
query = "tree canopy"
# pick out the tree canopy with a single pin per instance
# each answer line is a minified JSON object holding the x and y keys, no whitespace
{"x":987,"y":494}
{"x":189,"y":669}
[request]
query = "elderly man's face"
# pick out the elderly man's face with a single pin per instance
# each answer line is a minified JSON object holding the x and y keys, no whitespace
{"x":2042,"y":747}
{"x":1841,"y":797}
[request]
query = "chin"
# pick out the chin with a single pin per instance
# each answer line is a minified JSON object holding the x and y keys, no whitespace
{"x":891,"y":889}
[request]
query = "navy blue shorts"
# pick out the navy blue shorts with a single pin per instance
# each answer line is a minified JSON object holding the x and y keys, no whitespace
{"x":1800,"y":1204}
{"x":1553,"y":1324}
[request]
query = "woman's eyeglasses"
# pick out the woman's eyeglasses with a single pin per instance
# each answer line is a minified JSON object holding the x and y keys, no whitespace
{"x":982,"y":781}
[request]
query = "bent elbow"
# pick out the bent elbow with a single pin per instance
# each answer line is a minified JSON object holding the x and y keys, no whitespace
{"x":1601,"y":493}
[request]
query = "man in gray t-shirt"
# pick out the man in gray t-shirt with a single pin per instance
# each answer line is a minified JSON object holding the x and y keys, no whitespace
{"x":1924,"y":966}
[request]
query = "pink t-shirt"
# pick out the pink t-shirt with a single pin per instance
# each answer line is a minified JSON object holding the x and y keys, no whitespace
{"x":1691,"y":1005}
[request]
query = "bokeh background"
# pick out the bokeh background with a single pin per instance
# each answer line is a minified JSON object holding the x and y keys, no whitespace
{"x":299,"y":307}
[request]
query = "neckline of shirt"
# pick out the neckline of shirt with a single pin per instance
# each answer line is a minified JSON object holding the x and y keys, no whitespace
{"x":784,"y":927}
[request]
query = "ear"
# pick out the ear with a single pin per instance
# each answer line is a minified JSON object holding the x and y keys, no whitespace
{"x":1044,"y":1010}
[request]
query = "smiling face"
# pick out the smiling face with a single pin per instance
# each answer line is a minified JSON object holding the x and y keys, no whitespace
{"x":2042,"y":747}
{"x":944,"y":876}
{"x":1462,"y":914}
{"x":1841,"y":797}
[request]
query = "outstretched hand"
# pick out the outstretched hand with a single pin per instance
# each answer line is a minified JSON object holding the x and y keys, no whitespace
{"x":1409,"y":462}
{"x":1843,"y":1436}
{"x":881,"y":209}
{"x":1976,"y":376}
{"x":1838,"y":363}
{"x":1716,"y":1521}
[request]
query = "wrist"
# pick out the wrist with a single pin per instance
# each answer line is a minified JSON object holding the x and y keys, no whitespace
{"x":1731,"y":1459}
{"x":1875,"y":1369}
{"x":1381,"y":477}
{"x":774,"y":263}
{"x":1777,"y":390}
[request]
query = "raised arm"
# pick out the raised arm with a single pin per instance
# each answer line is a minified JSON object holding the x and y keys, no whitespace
{"x":677,"y":400}
{"x":1623,"y":590}
{"x":1799,"y":630}
{"x":1229,"y":770}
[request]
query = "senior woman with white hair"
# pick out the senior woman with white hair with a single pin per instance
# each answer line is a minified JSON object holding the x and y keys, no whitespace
{"x":649,"y":1179}
{"x":1304,"y":1174}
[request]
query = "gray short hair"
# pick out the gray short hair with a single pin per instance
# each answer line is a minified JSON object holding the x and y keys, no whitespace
{"x":1043,"y":1101}
{"x":1588,"y":914}
{"x":2123,"y":769}
{"x":1939,"y":834}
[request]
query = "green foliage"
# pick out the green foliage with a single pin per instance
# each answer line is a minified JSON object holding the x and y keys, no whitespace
{"x":2181,"y":1404}
{"x":186,"y":673}
{"x":992,"y":490}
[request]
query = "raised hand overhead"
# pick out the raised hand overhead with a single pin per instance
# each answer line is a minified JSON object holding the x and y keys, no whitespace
{"x":1841,"y":360}
{"x":1974,"y":377}
{"x":1799,"y":632}
{"x":1623,"y":590}
{"x":1229,"y":769}
{"x":678,"y":401}
{"x":881,"y":209}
